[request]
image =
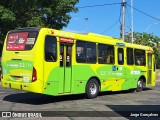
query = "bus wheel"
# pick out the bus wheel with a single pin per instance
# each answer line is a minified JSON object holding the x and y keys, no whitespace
{"x":139,"y":85}
{"x":92,"y":88}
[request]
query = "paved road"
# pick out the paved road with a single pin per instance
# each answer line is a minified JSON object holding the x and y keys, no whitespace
{"x":13,"y":100}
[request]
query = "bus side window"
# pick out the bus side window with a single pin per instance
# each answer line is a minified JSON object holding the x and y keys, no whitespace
{"x":91,"y":52}
{"x":130,"y":58}
{"x":120,"y":56}
{"x":110,"y":57}
{"x":105,"y":54}
{"x":140,"y":58}
{"x":85,"y":52}
{"x":50,"y":49}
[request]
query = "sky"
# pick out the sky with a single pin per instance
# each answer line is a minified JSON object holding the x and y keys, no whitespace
{"x":106,"y":20}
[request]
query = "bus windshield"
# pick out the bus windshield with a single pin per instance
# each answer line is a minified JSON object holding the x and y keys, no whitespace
{"x":21,"y":41}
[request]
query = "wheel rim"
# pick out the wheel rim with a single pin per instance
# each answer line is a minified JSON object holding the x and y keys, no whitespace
{"x":93,"y":88}
{"x":140,"y":84}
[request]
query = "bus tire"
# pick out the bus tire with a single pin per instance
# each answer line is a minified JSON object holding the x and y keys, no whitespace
{"x":139,"y":85}
{"x":92,"y":88}
{"x":132,"y":90}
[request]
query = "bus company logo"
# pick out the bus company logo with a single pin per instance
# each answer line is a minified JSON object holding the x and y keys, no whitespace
{"x":114,"y":68}
{"x":6,"y":114}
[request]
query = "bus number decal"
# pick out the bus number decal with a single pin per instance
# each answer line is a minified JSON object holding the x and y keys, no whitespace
{"x":12,"y":64}
{"x":102,"y":72}
{"x":134,"y":72}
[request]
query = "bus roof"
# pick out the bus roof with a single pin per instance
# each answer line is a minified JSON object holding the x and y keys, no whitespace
{"x":25,"y":29}
{"x":92,"y":37}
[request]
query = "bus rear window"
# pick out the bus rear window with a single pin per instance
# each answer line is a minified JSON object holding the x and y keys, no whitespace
{"x":21,"y":41}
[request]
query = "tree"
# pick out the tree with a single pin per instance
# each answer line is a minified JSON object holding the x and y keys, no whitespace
{"x":35,"y":13}
{"x":148,"y":40}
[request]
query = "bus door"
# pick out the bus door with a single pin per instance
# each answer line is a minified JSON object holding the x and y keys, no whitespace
{"x":149,"y":68}
{"x":65,"y":66}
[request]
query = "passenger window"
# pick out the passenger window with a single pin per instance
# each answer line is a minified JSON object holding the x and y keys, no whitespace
{"x":50,"y":49}
{"x":105,"y":54}
{"x":80,"y":52}
{"x":130,"y":58}
{"x":120,"y":56}
{"x":91,"y":52}
{"x":140,"y":58}
{"x":85,"y":52}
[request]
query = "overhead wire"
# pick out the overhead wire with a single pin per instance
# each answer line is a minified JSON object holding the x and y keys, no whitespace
{"x":98,"y":5}
{"x":143,"y":12}
{"x":120,"y":14}
{"x":119,"y":21}
{"x":101,"y":5}
{"x":110,"y":27}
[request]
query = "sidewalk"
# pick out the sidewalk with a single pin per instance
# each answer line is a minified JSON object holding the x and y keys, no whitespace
{"x":158,"y":80}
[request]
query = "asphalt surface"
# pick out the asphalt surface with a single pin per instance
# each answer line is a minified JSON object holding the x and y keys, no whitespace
{"x":107,"y":106}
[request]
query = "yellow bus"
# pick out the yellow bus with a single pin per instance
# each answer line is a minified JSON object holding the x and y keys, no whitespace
{"x":56,"y":62}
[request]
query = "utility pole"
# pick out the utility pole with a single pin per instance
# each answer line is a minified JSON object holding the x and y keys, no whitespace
{"x":123,"y":20}
{"x":132,"y":20}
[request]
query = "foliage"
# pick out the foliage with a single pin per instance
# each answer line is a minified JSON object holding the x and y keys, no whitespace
{"x":148,"y":40}
{"x":35,"y":13}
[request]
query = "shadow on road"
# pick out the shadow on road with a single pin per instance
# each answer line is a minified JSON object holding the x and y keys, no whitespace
{"x":121,"y":92}
{"x":39,"y":99}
